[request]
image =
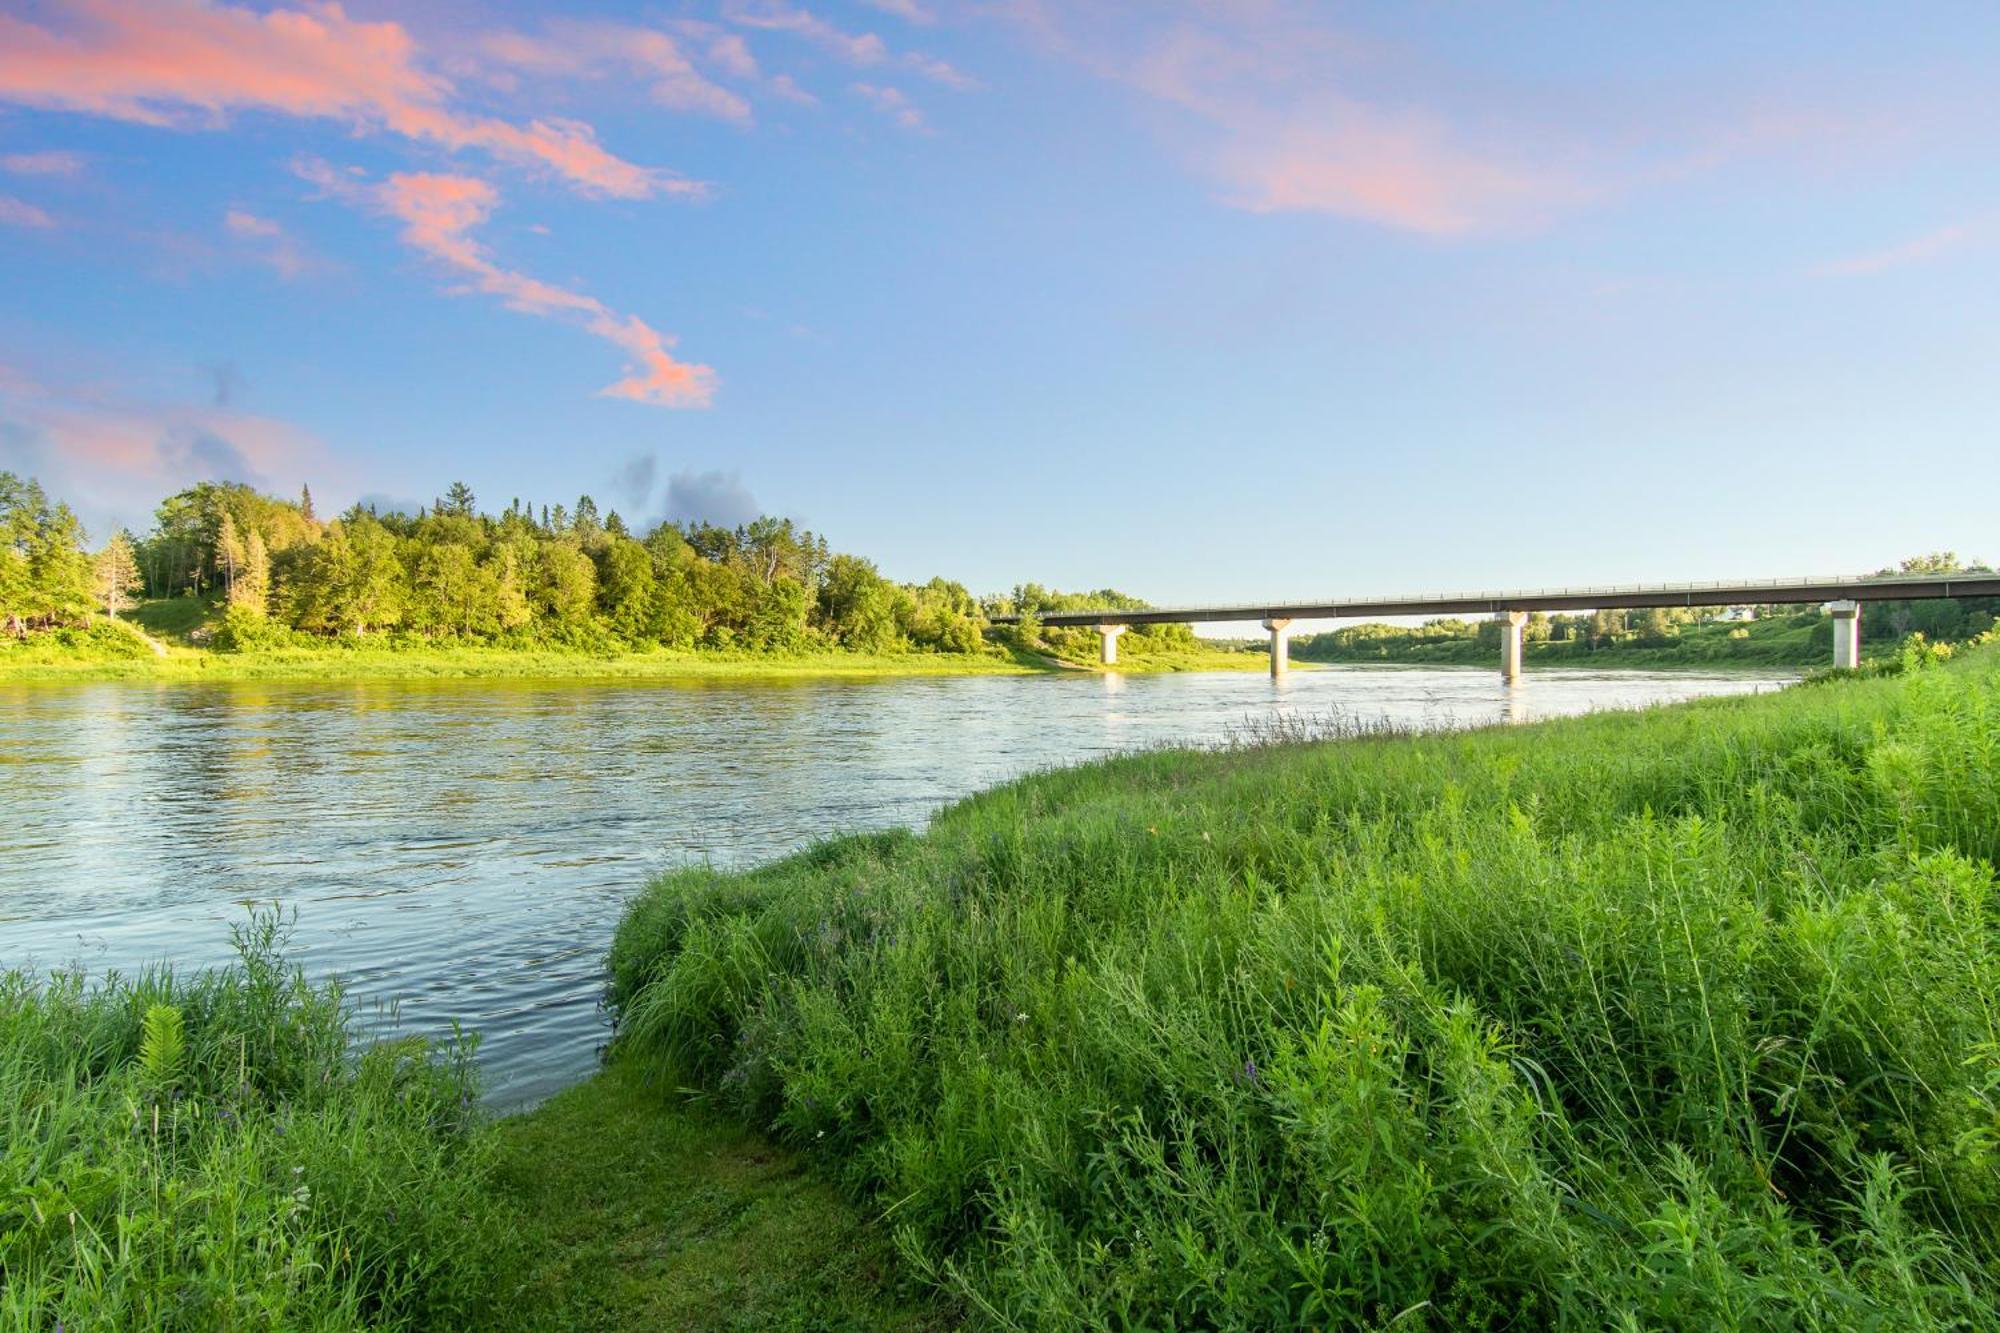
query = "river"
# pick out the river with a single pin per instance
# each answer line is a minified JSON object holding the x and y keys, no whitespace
{"x":462,"y":850}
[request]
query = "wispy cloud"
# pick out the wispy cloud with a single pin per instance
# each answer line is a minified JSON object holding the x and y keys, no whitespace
{"x":908,"y":10}
{"x":440,"y":213}
{"x":572,"y":49}
{"x":48,"y":163}
{"x":864,"y":49}
{"x":1287,"y":112}
{"x":16,"y":213}
{"x":892,"y":103}
{"x":1917,"y":250}
{"x":269,"y":241}
{"x":191,"y":63}
{"x":114,"y":453}
{"x":714,"y":497}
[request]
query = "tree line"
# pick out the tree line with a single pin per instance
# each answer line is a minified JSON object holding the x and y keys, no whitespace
{"x":565,"y":576}
{"x":571,"y":576}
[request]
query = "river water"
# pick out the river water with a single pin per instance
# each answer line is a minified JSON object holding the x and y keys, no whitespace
{"x":464,"y":849}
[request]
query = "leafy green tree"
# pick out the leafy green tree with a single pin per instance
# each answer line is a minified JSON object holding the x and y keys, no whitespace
{"x":626,"y":590}
{"x":511,"y":610}
{"x":565,"y":591}
{"x":857,"y":606}
{"x":450,"y":593}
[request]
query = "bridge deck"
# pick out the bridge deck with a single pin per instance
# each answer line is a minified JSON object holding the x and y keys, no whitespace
{"x":1759,"y":593}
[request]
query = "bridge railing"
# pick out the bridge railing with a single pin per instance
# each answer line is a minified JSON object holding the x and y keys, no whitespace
{"x":1739,"y":591}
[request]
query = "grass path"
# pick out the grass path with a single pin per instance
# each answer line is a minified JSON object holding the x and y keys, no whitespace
{"x":635,"y":1212}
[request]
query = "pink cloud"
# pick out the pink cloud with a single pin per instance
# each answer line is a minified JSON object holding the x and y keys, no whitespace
{"x":182,"y":62}
{"x":1287,"y":113}
{"x":1408,"y":172}
{"x":51,"y":163}
{"x":588,"y":50}
{"x":1264,"y":86}
{"x":114,"y":452}
{"x":440,"y":212}
{"x":892,"y":103}
{"x":1917,"y":250}
{"x":249,"y":224}
{"x":15,"y":213}
{"x":863,"y":49}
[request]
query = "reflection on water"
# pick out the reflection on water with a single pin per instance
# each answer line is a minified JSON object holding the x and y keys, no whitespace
{"x":462,"y":849}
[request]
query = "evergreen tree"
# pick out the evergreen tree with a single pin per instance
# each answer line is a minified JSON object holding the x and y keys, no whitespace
{"x":229,"y":552}
{"x":117,"y":574}
{"x":251,"y":587}
{"x":458,"y":501}
{"x":306,"y":504}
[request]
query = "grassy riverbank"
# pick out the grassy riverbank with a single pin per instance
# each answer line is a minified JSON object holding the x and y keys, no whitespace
{"x":1674,"y":1019}
{"x":499,"y":663}
{"x":1801,"y":641}
{"x":1680,"y":1019}
{"x":115,"y":652}
{"x":216,"y":1152}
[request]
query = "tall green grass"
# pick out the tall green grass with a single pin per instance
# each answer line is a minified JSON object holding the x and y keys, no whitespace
{"x":1687,"y":1018}
{"x":214,"y":1153}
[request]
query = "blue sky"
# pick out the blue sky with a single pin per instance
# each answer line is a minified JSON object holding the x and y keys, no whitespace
{"x":1200,"y":300}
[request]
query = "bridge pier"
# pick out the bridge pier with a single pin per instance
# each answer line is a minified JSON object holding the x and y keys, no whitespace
{"x":1846,"y":634}
{"x":1281,"y":646}
{"x":1510,"y":644}
{"x":1108,"y":634}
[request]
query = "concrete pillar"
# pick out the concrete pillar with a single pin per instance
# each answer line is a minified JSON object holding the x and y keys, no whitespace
{"x":1846,"y":634}
{"x":1281,"y":646}
{"x":1109,"y":634}
{"x":1510,"y":644}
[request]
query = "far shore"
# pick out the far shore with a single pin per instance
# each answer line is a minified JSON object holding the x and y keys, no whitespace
{"x":28,"y":664}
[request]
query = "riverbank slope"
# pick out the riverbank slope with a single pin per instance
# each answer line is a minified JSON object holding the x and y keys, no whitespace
{"x":1676,"y":1018}
{"x":110,"y":650}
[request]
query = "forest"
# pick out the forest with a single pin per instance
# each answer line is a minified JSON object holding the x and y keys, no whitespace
{"x":274,"y":574}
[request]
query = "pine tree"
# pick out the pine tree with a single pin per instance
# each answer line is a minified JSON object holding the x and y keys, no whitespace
{"x":229,"y":552}
{"x":306,"y":504}
{"x":251,"y":589}
{"x":458,"y":500}
{"x":117,"y":568}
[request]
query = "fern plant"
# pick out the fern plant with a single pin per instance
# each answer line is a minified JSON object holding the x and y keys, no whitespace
{"x":163,"y":1044}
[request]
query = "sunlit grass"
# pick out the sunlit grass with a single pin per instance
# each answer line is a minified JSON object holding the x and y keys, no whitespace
{"x":212,"y":1152}
{"x":1684,"y":1018}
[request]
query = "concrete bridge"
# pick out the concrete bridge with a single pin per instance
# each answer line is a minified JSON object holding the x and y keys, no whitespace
{"x":1842,"y":597}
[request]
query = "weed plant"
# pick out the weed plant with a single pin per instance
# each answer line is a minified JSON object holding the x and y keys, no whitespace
{"x":214,"y":1153}
{"x":1687,"y":1018}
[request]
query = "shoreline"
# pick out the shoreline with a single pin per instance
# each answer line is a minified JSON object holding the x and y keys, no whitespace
{"x":334,"y":666}
{"x":184,"y":665}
